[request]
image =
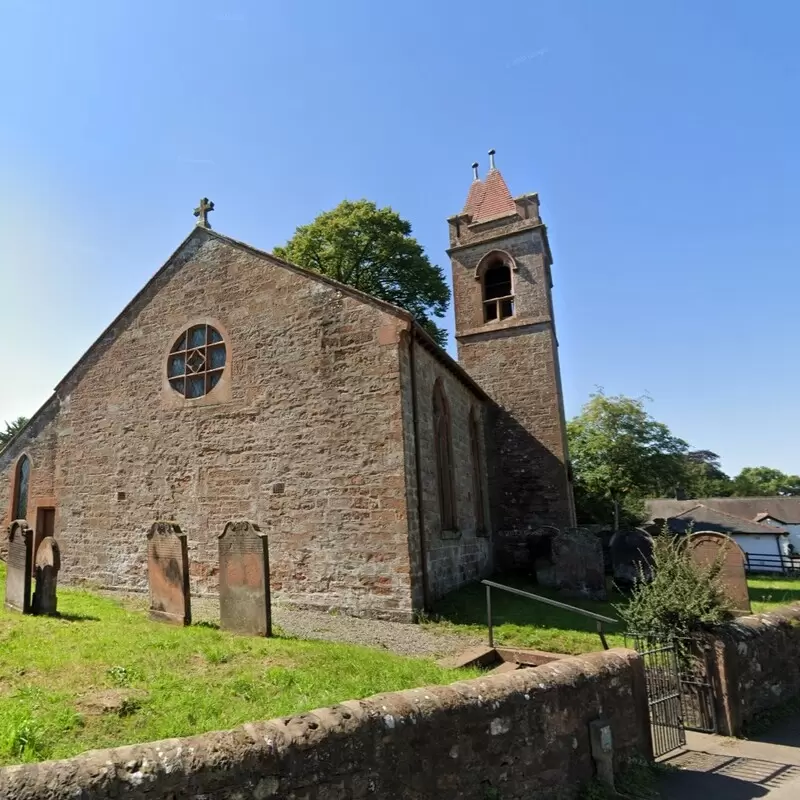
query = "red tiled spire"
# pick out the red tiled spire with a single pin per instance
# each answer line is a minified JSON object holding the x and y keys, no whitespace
{"x":489,"y":198}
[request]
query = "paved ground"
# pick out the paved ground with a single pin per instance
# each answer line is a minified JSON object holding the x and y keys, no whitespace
{"x":403,"y":639}
{"x":737,"y":769}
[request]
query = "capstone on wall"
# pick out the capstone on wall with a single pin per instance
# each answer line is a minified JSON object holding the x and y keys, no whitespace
{"x":305,"y":436}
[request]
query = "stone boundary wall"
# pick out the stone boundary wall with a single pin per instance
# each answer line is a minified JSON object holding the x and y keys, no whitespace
{"x":756,"y":666}
{"x":522,"y":735}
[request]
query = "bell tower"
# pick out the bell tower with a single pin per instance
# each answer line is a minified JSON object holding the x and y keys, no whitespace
{"x":506,"y":338}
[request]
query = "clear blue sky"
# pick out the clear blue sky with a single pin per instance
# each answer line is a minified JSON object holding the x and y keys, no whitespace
{"x":662,"y":137}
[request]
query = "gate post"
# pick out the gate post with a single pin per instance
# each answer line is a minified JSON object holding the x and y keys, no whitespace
{"x":724,"y":683}
{"x":641,"y":706}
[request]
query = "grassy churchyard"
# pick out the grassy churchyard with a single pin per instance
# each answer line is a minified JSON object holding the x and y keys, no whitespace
{"x":525,"y":623}
{"x":101,"y":676}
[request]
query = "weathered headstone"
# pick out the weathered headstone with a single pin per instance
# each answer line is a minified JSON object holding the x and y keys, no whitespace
{"x":631,"y":556}
{"x":168,"y":574}
{"x":578,"y":569}
{"x":705,"y":547}
{"x":244,"y":597}
{"x":47,"y":565}
{"x":18,"y":566}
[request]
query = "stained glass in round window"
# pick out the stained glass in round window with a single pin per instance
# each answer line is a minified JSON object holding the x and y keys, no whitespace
{"x":196,"y":361}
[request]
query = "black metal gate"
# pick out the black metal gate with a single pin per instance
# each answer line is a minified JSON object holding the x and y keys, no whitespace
{"x":680,"y":691}
{"x":663,"y":696}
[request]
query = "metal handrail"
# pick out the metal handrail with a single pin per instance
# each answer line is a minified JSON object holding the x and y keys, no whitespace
{"x":598,"y":618}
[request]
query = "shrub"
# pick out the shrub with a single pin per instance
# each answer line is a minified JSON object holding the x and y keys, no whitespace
{"x":681,"y":597}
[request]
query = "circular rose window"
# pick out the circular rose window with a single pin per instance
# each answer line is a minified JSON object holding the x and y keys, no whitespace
{"x":196,"y":361}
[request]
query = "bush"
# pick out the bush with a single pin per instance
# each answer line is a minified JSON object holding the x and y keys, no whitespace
{"x":681,"y":598}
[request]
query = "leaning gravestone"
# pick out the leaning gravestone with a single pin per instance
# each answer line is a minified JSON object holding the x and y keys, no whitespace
{"x":168,"y":574}
{"x":244,"y":598}
{"x":705,"y":547}
{"x":631,"y":557}
{"x":18,"y":566}
{"x":578,"y":569}
{"x":47,"y":565}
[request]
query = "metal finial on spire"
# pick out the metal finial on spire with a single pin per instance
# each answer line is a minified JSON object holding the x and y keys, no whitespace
{"x":201,"y":212}
{"x":475,"y":171}
{"x":491,"y":158}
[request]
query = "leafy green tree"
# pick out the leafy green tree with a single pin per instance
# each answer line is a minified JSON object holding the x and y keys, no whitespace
{"x":620,"y":454}
{"x":765,"y":482}
{"x":11,"y":430}
{"x":704,"y":476}
{"x":371,"y":249}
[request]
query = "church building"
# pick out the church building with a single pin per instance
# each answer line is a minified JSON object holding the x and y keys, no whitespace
{"x":237,"y":386}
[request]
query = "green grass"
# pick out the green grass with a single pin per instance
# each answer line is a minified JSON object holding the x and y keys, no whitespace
{"x":189,"y":680}
{"x":767,"y":593}
{"x":525,"y":623}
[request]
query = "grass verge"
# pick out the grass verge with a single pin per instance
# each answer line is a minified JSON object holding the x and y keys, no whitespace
{"x":525,"y":623}
{"x":102,"y":676}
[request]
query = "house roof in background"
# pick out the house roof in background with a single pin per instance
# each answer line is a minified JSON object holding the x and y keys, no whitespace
{"x":781,"y":509}
{"x":702,"y":518}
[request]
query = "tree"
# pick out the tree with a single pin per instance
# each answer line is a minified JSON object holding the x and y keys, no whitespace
{"x":11,"y":430}
{"x":765,"y":482}
{"x":371,"y":249}
{"x":704,"y":476}
{"x":620,"y":454}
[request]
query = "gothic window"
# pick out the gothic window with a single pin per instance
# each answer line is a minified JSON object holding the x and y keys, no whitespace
{"x":196,"y":361}
{"x":479,"y":503}
{"x":444,"y":458}
{"x":21,"y":484}
{"x":498,"y":299}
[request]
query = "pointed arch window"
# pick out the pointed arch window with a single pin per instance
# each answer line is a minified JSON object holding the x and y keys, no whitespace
{"x":444,"y":458}
{"x":479,"y":502}
{"x":498,"y":294}
{"x":21,"y":484}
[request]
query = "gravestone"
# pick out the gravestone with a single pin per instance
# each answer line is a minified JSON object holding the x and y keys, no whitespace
{"x":705,"y":547}
{"x":18,"y":566}
{"x":47,"y":565}
{"x":168,"y":574}
{"x":631,"y":556}
{"x":244,"y":597}
{"x":578,"y":569}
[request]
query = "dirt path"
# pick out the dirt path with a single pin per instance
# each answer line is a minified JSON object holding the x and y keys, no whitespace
{"x":397,"y":637}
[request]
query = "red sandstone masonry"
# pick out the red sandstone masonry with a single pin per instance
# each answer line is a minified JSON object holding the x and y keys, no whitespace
{"x":757,"y":666}
{"x":306,"y":439}
{"x":524,"y":734}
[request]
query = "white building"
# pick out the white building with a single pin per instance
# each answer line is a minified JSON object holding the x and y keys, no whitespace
{"x":766,"y":528}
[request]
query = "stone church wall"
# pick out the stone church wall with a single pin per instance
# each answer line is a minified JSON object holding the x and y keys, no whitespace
{"x":39,"y":443}
{"x":453,"y":557}
{"x":305,"y":436}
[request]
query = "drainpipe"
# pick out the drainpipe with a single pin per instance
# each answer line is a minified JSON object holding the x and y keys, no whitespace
{"x":780,"y":552}
{"x":412,"y":361}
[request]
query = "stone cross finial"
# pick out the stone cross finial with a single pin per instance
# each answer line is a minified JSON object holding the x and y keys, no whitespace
{"x":491,"y":158}
{"x":201,"y":212}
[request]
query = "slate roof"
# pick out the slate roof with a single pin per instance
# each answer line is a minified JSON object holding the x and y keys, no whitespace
{"x":781,"y":509}
{"x":702,"y":518}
